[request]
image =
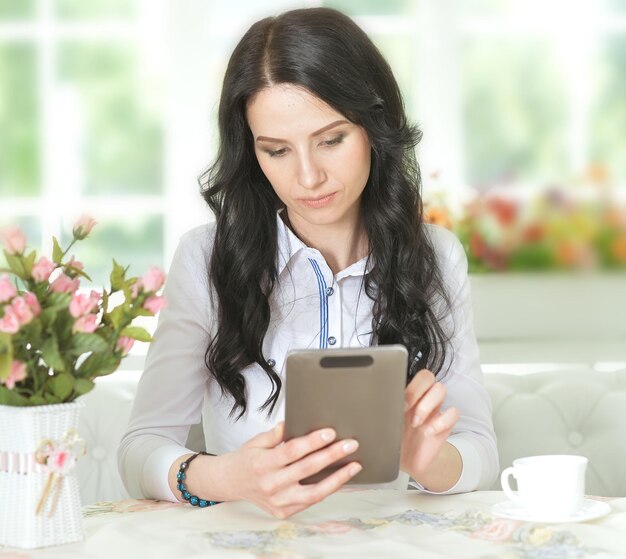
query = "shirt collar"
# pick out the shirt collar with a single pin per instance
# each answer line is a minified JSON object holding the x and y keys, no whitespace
{"x":289,"y":245}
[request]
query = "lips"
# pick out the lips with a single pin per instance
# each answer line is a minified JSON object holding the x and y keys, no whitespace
{"x":318,"y":202}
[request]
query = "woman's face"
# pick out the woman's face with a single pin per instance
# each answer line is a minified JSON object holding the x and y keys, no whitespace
{"x":315,"y":159}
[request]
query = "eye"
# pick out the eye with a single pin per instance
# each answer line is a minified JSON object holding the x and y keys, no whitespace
{"x":276,"y":152}
{"x":333,"y":141}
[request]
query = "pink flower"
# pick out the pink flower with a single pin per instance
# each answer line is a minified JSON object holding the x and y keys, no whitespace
{"x":33,"y":303}
{"x":84,"y":304}
{"x":136,"y":288}
{"x":13,"y":240}
{"x":87,"y":324}
{"x":42,"y":270}
{"x":7,"y":289}
{"x":17,"y":373}
{"x":83,"y":227}
{"x":9,"y":324}
{"x":154,"y":304}
{"x":154,"y":279}
{"x":75,"y":263}
{"x":64,"y":284}
{"x":60,"y":461}
{"x":21,"y":310}
{"x":124,"y":344}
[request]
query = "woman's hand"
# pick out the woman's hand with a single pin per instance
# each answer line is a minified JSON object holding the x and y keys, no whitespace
{"x":425,"y":454}
{"x":268,"y":473}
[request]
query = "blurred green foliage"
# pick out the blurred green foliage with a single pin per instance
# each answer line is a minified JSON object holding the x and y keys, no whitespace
{"x":608,"y":122}
{"x":515,"y":111}
{"x":17,"y":9}
{"x":19,"y":120}
{"x":372,"y":7}
{"x":123,"y":152}
{"x":95,"y":9}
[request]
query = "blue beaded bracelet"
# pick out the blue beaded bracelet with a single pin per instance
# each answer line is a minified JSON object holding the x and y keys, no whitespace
{"x":182,"y":487}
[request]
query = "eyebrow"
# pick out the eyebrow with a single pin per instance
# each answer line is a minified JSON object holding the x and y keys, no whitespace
{"x":316,"y":133}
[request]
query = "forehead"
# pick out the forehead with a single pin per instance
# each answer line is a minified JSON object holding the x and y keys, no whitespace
{"x":286,"y":108}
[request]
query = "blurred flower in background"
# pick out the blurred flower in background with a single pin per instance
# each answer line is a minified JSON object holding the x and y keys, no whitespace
{"x":555,"y":228}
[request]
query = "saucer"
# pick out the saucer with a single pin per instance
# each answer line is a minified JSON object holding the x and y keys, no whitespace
{"x":589,"y":510}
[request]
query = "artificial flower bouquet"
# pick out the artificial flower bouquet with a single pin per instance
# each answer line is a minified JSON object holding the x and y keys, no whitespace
{"x":56,"y":338}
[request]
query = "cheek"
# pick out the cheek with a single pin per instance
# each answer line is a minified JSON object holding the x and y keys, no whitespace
{"x":357,"y":171}
{"x":274,"y":175}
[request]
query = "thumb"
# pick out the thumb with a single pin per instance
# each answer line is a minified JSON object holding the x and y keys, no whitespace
{"x":268,"y":439}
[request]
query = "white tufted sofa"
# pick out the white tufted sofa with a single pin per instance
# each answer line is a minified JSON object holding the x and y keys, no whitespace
{"x":564,"y":411}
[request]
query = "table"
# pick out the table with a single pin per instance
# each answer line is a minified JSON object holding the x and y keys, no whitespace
{"x":354,"y":523}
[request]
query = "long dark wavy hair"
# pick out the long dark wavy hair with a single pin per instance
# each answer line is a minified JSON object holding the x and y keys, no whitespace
{"x":324,"y":51}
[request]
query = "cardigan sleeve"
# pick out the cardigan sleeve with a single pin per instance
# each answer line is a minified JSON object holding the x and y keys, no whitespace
{"x":171,"y":390}
{"x":473,"y":435}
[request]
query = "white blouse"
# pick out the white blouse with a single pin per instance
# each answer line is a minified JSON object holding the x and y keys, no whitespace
{"x":310,"y":308}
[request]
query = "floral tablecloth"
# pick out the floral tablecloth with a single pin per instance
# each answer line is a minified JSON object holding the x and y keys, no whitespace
{"x":359,"y":524}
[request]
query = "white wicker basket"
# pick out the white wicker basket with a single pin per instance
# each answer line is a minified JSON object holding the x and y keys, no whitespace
{"x":22,"y":479}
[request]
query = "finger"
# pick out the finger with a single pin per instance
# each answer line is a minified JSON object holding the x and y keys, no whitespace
{"x":317,"y":461}
{"x":307,"y":495}
{"x":430,"y":401}
{"x":442,"y":423}
{"x":298,"y":447}
{"x":420,"y":383}
{"x":267,"y":439}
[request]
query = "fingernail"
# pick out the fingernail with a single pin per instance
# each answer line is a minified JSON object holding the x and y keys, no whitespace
{"x":350,"y":446}
{"x":355,"y":469}
{"x":327,"y":434}
{"x":417,"y":420}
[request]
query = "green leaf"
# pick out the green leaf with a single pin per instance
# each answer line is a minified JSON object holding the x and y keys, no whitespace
{"x":105,"y":300}
{"x":62,"y":385}
{"x":16,"y":263}
{"x":116,"y":316}
{"x":6,"y":355}
{"x":57,"y":251}
{"x":72,"y":271}
{"x":11,"y":397}
{"x":51,"y":355}
{"x":117,"y":277}
{"x":99,"y":364}
{"x":28,"y":263}
{"x":136,"y":333}
{"x":83,"y":343}
{"x":36,"y":400}
{"x":58,"y":300}
{"x":83,"y":385}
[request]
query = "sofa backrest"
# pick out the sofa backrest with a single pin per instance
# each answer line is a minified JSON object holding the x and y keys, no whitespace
{"x":561,"y":412}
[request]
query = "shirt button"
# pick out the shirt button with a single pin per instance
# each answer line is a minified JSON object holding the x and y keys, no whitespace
{"x":332,"y":340}
{"x":329,"y":291}
{"x":271,"y":362}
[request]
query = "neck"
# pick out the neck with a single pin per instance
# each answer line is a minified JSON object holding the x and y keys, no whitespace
{"x":341,"y":244}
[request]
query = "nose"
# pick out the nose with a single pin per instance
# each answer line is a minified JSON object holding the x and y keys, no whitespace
{"x":310,"y":173}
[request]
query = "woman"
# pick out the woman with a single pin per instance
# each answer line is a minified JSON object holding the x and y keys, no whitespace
{"x":316,"y":194}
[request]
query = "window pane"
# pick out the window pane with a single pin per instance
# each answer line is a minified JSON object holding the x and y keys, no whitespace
{"x":136,"y":243}
{"x":608,"y":123}
{"x":372,"y":7}
{"x":515,"y":111}
{"x":17,"y":9}
{"x":118,"y":111}
{"x":19,"y":155}
{"x":95,"y":9}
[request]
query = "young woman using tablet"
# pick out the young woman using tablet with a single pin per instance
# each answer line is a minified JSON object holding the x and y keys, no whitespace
{"x":318,"y":242}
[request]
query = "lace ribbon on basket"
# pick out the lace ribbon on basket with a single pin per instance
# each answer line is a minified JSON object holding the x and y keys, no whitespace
{"x":59,"y":457}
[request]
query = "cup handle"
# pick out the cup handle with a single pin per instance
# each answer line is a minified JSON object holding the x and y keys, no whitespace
{"x":504,"y":482}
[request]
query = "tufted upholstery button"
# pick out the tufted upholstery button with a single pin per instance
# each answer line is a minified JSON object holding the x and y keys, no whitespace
{"x":99,"y":453}
{"x":575,"y":438}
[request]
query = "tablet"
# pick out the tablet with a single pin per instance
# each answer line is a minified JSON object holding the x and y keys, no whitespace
{"x":357,"y":392}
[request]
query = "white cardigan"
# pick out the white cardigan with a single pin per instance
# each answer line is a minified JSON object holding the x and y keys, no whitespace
{"x":310,"y":308}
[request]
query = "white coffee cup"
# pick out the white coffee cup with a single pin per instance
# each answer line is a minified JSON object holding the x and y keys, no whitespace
{"x":551,"y":485}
